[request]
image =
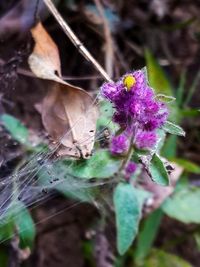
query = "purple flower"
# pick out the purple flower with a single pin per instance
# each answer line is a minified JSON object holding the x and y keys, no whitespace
{"x":121,"y":119}
{"x":145,"y":139}
{"x":111,"y":90}
{"x":138,"y":113}
{"x":119,"y":144}
{"x":131,"y":168}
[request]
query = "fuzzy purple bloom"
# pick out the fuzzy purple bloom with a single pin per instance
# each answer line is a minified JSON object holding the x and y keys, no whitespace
{"x":119,"y":144}
{"x":145,"y":139}
{"x":109,"y":90}
{"x":138,"y":112}
{"x":131,"y":168}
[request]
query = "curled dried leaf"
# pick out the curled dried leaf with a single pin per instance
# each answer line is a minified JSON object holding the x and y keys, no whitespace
{"x":68,"y":112}
{"x":44,"y":60}
{"x":69,"y":116}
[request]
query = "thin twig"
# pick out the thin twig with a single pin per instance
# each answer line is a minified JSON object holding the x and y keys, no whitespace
{"x":108,"y":38}
{"x":74,"y":39}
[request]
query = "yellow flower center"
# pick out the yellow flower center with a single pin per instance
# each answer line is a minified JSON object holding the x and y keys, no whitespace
{"x":129,"y":81}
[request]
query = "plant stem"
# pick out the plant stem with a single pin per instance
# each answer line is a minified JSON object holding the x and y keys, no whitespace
{"x":128,"y":155}
{"x":75,"y":40}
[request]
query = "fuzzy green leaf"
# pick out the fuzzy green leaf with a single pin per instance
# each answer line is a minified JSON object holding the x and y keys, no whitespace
{"x":184,"y":205}
{"x":128,"y":212}
{"x":142,"y":195}
{"x":158,"y":171}
{"x":160,"y":258}
{"x":100,"y":165}
{"x":25,"y":226}
{"x":165,"y":98}
{"x":172,"y":128}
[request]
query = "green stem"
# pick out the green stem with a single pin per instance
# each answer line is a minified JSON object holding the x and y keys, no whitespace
{"x":128,"y":155}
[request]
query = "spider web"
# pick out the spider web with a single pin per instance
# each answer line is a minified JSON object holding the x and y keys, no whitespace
{"x":41,"y":176}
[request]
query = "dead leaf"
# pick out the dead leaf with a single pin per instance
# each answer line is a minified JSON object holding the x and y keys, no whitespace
{"x":68,"y":112}
{"x":44,"y":60}
{"x":69,"y":117}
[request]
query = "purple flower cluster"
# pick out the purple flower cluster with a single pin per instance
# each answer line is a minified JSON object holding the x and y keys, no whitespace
{"x":130,"y":169}
{"x":119,"y":144}
{"x":137,"y":111}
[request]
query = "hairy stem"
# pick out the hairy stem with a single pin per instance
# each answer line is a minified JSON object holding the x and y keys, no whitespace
{"x":75,"y":40}
{"x":128,"y":155}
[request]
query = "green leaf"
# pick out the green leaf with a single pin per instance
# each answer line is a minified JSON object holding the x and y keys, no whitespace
{"x":184,"y":205}
{"x":189,"y":166}
{"x":18,"y":131}
{"x":100,"y":165}
{"x":170,"y":146}
{"x":189,"y":112}
{"x":180,"y":89}
{"x":18,"y":217}
{"x":158,"y":171}
{"x":157,"y":78}
{"x":182,"y":183}
{"x":161,"y":135}
{"x":128,"y":213}
{"x":88,"y":253}
{"x":160,"y":82}
{"x":165,"y":98}
{"x":159,"y":258}
{"x":65,"y":182}
{"x":142,"y":195}
{"x":25,"y":226}
{"x":172,"y":128}
{"x":82,"y":194}
{"x":7,"y":229}
{"x":147,"y":235}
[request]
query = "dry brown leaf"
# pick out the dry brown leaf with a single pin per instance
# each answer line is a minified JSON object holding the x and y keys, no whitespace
{"x":44,"y":60}
{"x":68,"y":112}
{"x":69,"y":117}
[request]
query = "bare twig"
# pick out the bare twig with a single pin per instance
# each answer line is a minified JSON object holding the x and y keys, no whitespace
{"x":108,"y":38}
{"x":74,"y":39}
